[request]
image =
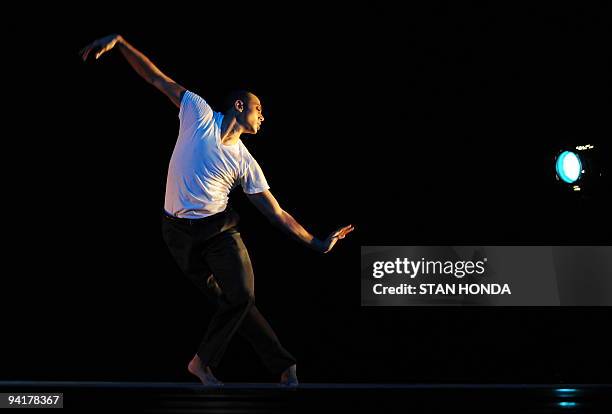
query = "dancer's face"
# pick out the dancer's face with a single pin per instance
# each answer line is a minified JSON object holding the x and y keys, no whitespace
{"x":251,"y":114}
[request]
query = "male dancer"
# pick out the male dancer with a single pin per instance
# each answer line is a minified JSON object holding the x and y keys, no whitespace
{"x":208,"y":161}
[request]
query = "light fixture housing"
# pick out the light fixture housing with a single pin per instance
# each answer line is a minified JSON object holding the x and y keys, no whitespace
{"x":580,"y":169}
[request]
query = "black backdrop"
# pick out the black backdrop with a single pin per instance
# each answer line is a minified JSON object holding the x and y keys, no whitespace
{"x":431,"y":126}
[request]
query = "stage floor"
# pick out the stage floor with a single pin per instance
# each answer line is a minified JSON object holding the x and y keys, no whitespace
{"x":172,"y":397}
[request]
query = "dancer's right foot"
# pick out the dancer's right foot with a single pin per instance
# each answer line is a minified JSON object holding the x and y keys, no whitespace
{"x":203,"y":372}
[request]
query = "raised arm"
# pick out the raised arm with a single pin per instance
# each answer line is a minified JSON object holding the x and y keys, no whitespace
{"x":269,"y":207}
{"x":141,"y":64}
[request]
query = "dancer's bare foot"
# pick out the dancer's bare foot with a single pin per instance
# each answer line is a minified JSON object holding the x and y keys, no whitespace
{"x":197,"y":368}
{"x":289,"y":377}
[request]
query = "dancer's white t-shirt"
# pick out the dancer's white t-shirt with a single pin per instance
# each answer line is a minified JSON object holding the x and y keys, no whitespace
{"x":202,"y":170}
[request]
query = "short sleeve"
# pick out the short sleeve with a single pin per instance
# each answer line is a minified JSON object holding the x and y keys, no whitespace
{"x":253,"y":180}
{"x":194,"y":110}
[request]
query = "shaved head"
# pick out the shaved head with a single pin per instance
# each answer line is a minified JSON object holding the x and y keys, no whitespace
{"x":240,"y":95}
{"x":245,"y":107}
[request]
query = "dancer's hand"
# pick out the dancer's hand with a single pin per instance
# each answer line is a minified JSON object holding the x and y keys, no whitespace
{"x":333,"y":238}
{"x":102,"y":46}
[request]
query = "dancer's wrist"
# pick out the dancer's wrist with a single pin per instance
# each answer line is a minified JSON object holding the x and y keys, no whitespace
{"x":317,"y":245}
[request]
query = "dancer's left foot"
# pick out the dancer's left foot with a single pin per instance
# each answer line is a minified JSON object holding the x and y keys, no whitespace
{"x":289,"y":377}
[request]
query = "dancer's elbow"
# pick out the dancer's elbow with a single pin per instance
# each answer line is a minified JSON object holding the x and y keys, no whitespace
{"x":277,"y":218}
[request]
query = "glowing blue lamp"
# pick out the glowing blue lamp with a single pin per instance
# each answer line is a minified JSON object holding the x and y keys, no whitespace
{"x":569,"y":167}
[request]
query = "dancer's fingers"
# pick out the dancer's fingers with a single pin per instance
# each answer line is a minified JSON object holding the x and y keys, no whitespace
{"x":346,"y":230}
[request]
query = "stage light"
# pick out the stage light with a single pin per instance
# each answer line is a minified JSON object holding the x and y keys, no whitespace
{"x":566,"y":392}
{"x":569,"y":167}
{"x":581,"y":169}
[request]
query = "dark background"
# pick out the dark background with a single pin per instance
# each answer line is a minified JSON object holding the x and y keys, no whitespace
{"x":432,"y":126}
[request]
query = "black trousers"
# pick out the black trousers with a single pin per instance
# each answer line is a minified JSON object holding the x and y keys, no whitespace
{"x":209,"y":247}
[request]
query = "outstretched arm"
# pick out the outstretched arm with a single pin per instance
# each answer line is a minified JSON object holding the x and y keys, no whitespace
{"x":269,"y":207}
{"x":141,"y":64}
